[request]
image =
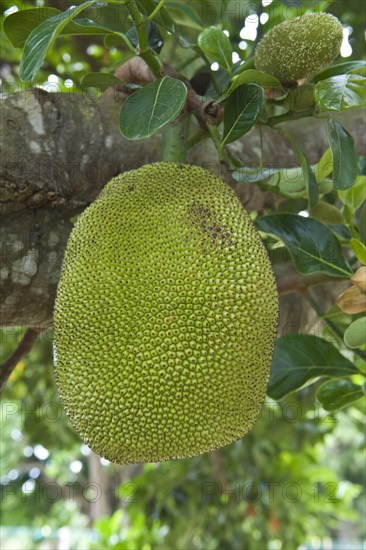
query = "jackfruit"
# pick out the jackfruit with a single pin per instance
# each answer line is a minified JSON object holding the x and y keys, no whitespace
{"x":165,"y":317}
{"x":299,"y":47}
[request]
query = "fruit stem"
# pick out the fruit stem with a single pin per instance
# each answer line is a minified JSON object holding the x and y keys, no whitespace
{"x":174,"y":142}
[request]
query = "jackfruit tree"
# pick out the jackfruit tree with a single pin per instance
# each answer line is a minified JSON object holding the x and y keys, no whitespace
{"x":167,"y":182}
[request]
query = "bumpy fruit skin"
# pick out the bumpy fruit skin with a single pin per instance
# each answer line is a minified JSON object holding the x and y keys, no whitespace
{"x":165,"y":317}
{"x":299,"y":47}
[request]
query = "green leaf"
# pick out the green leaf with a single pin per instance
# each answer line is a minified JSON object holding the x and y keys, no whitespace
{"x":152,"y":107}
{"x":326,"y":213}
{"x":244,"y":66}
{"x":309,"y":179}
{"x":341,"y":92}
{"x":180,"y":20}
{"x":241,"y":111}
{"x":100,"y":80}
{"x":252,"y":76}
{"x":359,"y":249}
{"x":19,"y":25}
{"x":288,"y":182}
{"x":215,"y":44}
{"x":184,"y":14}
{"x":340,"y":69}
{"x":355,"y":335}
{"x":325,"y":166}
{"x":41,"y":38}
{"x":336,"y":394}
{"x":355,"y":195}
{"x":252,"y":175}
{"x":344,"y":155}
{"x":362,"y":222}
{"x":308,"y":175}
{"x":313,"y":246}
{"x":300,"y":358}
{"x":156,"y":41}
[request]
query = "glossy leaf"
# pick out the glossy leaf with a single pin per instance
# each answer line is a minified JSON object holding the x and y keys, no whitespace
{"x":301,"y":358}
{"x":325,"y":165}
{"x":309,"y":179}
{"x":184,"y":14}
{"x":335,"y":394}
{"x":339,"y":69}
{"x":359,"y":249}
{"x":216,"y":46}
{"x":152,"y":107}
{"x":252,"y":76}
{"x":344,"y":155}
{"x":18,"y":26}
{"x":288,"y":182}
{"x":313,"y":246}
{"x":341,"y":92}
{"x":41,"y":38}
{"x":176,"y":21}
{"x":100,"y":80}
{"x":241,"y":111}
{"x":355,"y":334}
{"x":156,"y":41}
{"x":252,"y":175}
{"x":326,"y":213}
{"x":356,"y":195}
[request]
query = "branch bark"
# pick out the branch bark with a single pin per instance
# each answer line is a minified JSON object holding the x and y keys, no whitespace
{"x":58,"y":152}
{"x":24,"y":347}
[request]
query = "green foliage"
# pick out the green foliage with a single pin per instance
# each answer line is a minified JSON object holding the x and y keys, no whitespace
{"x":336,"y":394}
{"x":243,"y":108}
{"x":338,"y":93}
{"x":320,"y":255}
{"x":217,"y":47}
{"x":41,"y":38}
{"x":152,"y":107}
{"x":344,"y":155}
{"x":301,"y":358}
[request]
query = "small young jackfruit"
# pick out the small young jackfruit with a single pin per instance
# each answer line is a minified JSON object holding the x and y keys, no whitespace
{"x":165,"y":317}
{"x":299,"y":47}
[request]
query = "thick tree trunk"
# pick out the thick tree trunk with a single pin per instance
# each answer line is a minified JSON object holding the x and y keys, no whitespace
{"x":59,"y":150}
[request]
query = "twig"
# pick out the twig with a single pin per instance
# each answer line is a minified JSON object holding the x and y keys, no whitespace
{"x":157,"y":9}
{"x":148,"y":55}
{"x":297,"y":283}
{"x":287,"y":117}
{"x":24,"y":347}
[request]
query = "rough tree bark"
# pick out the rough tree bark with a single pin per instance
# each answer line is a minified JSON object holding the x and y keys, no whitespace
{"x":59,"y":150}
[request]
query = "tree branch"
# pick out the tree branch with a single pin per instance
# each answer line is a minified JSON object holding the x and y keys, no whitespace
{"x":299,"y":283}
{"x":24,"y":347}
{"x":58,"y":152}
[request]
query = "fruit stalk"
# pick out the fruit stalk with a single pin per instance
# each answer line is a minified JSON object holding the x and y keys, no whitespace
{"x":174,"y":142}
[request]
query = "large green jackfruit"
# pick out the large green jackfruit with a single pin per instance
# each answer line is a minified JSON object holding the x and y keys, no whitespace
{"x":299,"y":47}
{"x":165,"y":317}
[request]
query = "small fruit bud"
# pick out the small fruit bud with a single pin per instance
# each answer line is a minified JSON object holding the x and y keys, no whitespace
{"x":299,"y":47}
